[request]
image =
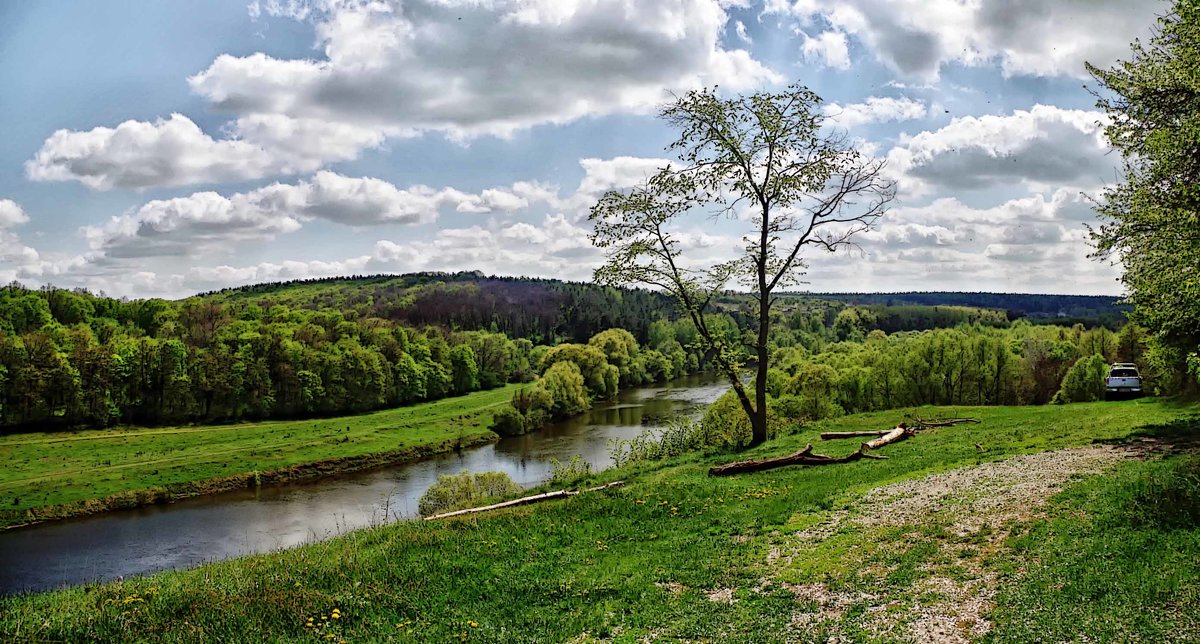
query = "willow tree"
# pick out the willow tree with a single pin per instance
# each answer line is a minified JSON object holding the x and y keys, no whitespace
{"x":767,"y":162}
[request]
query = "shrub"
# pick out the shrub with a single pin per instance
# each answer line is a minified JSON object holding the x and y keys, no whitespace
{"x":465,"y":490}
{"x":1084,"y":381}
{"x":508,"y":422}
{"x":678,"y":436}
{"x":569,"y":472}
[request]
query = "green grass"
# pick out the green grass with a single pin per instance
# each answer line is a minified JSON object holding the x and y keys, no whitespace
{"x":1119,"y":561}
{"x":52,"y":469}
{"x":624,"y":564}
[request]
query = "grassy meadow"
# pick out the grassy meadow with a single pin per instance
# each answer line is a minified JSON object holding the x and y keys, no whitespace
{"x":49,"y":474}
{"x":677,"y":555}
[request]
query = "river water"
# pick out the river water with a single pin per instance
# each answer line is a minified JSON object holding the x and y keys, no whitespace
{"x":221,"y":526}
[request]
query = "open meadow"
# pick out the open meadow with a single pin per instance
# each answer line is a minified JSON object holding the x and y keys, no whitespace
{"x":65,"y":473}
{"x":961,"y":533}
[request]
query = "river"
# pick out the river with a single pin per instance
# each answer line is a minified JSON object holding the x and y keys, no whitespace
{"x":221,"y":526}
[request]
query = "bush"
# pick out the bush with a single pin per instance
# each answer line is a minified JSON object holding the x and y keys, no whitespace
{"x":725,"y":423}
{"x":1084,"y":381}
{"x":678,"y":436}
{"x":465,"y":490}
{"x":569,"y":472}
{"x":508,"y":422}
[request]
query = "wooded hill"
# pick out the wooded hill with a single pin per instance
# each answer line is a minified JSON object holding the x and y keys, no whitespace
{"x":1061,"y":309}
{"x":347,"y":345}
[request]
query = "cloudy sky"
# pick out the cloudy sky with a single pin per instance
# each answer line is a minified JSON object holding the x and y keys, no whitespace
{"x":165,"y":147}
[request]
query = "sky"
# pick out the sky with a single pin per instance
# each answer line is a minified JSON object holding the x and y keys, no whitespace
{"x":160,"y":148}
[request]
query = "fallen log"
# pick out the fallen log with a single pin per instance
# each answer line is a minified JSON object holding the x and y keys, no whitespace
{"x":897,"y":433}
{"x":807,"y":457}
{"x":829,"y":436}
{"x":803,"y":457}
{"x":525,"y":500}
{"x":945,"y":422}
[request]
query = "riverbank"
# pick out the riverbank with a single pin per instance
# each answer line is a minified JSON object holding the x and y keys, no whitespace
{"x":70,"y":474}
{"x":676,"y":554}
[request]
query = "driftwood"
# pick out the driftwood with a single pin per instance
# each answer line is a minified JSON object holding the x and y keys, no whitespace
{"x":525,"y":500}
{"x":807,"y":457}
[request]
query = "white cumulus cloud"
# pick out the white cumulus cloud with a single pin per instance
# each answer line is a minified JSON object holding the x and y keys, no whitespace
{"x":875,"y":109}
{"x":1023,"y":37}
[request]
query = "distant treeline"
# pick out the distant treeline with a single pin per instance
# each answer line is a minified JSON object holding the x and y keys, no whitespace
{"x":541,"y":310}
{"x":1059,"y":309}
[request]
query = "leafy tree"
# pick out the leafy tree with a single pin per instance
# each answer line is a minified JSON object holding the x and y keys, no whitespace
{"x":766,"y":153}
{"x":564,"y":384}
{"x":600,"y":377}
{"x":464,"y":371}
{"x":1084,"y":381}
{"x":620,"y":348}
{"x":1152,"y":217}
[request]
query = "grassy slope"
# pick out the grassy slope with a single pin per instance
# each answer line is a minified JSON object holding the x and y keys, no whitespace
{"x":43,"y":470}
{"x":1118,"y":559}
{"x":622,"y":564}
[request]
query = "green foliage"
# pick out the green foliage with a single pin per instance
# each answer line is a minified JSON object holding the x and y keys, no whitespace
{"x":677,"y":437}
{"x":601,"y":378}
{"x":465,"y":490}
{"x":566,"y":473}
{"x":807,"y":187}
{"x":1151,"y":216}
{"x":508,"y":422}
{"x":724,"y":423}
{"x":464,"y":373}
{"x":1084,"y":381}
{"x":621,"y":350}
{"x":563,"y":384}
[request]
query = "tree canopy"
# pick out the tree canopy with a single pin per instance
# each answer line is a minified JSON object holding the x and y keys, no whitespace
{"x":1151,"y":219}
{"x":765,"y":158}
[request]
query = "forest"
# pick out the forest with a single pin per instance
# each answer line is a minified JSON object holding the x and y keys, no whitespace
{"x":330,"y":347}
{"x":73,"y":359}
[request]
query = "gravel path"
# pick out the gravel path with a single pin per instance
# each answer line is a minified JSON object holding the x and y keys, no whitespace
{"x":965,"y":513}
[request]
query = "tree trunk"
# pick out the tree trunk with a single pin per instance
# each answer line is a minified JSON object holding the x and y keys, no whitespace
{"x":803,"y":457}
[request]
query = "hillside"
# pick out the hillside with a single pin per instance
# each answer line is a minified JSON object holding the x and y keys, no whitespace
{"x":962,"y":531}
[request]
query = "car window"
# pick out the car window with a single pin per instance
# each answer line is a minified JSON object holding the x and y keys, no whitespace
{"x":1124,"y":373}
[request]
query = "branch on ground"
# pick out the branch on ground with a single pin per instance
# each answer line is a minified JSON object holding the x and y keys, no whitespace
{"x":807,"y":457}
{"x":525,"y":500}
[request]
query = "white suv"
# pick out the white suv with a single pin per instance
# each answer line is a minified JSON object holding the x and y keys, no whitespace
{"x":1123,"y":379}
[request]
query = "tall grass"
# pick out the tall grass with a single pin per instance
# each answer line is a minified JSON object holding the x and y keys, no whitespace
{"x":679,"y":436}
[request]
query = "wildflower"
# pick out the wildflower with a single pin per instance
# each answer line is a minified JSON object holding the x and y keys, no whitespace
{"x":472,"y":623}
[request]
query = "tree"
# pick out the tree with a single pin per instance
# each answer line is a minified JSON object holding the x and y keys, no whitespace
{"x":767,"y":157}
{"x":1151,"y":219}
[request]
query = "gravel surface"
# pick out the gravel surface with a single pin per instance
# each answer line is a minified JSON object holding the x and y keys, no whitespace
{"x":952,"y":592}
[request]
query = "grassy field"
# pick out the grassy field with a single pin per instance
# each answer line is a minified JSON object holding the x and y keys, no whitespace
{"x":66,"y":469}
{"x":674,"y":554}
